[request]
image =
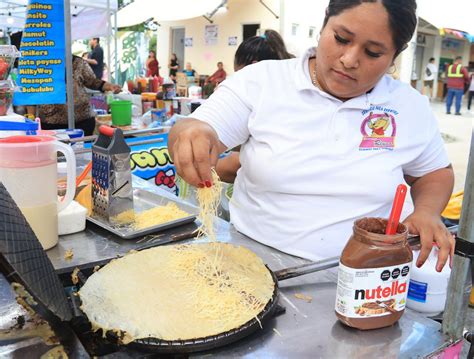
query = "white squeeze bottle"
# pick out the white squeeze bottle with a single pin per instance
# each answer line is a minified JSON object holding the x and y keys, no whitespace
{"x":428,"y":288}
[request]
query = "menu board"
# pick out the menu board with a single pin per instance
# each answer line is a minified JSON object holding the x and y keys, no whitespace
{"x":41,"y":71}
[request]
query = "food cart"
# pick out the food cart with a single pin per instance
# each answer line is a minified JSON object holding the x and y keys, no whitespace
{"x":304,"y":326}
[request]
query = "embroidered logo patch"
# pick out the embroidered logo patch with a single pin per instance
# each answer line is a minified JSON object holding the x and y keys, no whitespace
{"x":378,"y":132}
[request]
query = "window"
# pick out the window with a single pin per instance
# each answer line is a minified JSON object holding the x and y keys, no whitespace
{"x":294,"y":29}
{"x":312,"y":31}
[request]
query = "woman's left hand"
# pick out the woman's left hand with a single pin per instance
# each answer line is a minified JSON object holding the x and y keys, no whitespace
{"x":431,"y":230}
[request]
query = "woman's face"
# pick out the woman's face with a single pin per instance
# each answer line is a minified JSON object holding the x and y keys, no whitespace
{"x":151,"y":55}
{"x":355,"y":50}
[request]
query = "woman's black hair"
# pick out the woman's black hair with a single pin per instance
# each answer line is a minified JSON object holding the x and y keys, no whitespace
{"x":401,"y":14}
{"x":269,"y":46}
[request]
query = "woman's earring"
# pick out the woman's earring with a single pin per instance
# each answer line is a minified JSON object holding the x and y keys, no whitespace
{"x":393,"y":69}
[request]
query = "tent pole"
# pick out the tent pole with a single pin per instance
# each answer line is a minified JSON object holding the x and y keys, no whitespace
{"x":68,"y":64}
{"x":116,"y":68}
{"x":109,"y":38}
{"x":456,"y":303}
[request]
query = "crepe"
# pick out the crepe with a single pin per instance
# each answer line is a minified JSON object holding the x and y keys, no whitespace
{"x":178,"y":292}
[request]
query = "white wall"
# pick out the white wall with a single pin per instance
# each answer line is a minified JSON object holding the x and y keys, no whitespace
{"x":305,"y":13}
{"x":204,"y":58}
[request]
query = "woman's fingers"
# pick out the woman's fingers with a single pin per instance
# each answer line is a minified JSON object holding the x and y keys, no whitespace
{"x":444,"y":244}
{"x":184,"y":162}
{"x":426,"y":239}
{"x":202,"y":160}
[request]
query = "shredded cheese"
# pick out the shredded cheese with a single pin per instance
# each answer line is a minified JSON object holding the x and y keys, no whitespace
{"x":302,"y":296}
{"x":209,"y":199}
{"x":151,"y":217}
{"x":178,"y":292}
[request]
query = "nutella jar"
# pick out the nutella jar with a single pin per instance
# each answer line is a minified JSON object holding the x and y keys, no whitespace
{"x":373,"y":277}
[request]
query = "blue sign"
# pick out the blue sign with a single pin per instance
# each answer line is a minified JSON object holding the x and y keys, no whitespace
{"x":41,"y":71}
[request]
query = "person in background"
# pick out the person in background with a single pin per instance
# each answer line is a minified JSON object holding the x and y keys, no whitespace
{"x":471,"y":92}
{"x":312,"y":162}
{"x":173,"y":66}
{"x":96,"y":57}
{"x":218,"y":76}
{"x":269,"y":46}
{"x":188,"y":70}
{"x":431,"y":72}
{"x":152,"y":66}
{"x":215,"y":79}
{"x":456,"y":78}
{"x":55,"y":116}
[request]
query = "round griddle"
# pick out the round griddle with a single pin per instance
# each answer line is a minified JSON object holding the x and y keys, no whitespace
{"x":156,"y":345}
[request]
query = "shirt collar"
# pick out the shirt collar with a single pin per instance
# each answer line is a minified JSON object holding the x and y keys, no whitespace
{"x":378,"y":95}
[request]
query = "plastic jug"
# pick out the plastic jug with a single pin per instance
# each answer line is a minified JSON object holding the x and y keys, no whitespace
{"x":28,"y":170}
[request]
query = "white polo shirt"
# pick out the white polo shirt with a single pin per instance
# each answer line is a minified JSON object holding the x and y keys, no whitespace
{"x":312,"y":164}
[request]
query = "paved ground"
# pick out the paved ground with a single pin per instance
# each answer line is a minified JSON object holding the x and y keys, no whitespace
{"x":457,"y":131}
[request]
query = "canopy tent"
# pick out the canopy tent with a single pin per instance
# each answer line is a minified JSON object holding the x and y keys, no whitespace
{"x":160,"y":10}
{"x":455,"y":14}
{"x":88,"y":18}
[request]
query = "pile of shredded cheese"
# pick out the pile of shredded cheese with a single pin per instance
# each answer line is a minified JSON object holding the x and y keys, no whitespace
{"x":209,"y":199}
{"x":151,"y":217}
{"x":178,"y":292}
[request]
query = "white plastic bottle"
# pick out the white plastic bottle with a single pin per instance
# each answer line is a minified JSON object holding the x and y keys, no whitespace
{"x":428,"y":288}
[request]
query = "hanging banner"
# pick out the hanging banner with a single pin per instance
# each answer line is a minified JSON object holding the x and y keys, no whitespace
{"x":41,"y":71}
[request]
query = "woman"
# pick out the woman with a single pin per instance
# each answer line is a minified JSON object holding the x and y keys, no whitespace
{"x":269,"y":46}
{"x":55,"y":116}
{"x":326,"y":138}
{"x":152,"y":66}
{"x":188,"y":70}
{"x":173,"y":66}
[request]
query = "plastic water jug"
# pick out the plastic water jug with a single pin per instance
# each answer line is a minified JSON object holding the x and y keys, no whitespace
{"x":28,"y":170}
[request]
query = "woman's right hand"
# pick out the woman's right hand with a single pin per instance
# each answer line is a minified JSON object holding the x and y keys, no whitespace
{"x":194,"y":147}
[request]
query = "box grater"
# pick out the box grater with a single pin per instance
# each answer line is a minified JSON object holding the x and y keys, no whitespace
{"x":112,"y":191}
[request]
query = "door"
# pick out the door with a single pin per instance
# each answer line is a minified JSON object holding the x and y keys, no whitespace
{"x":249,"y":30}
{"x":177,"y":45}
{"x":419,"y":69}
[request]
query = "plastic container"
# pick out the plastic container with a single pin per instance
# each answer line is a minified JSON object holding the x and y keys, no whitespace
{"x":428,"y":288}
{"x":373,"y":275}
{"x":195,"y":92}
{"x":72,"y":219}
{"x":121,"y":113}
{"x":7,"y":89}
{"x":28,"y":170}
{"x":169,"y":91}
{"x":8,"y":55}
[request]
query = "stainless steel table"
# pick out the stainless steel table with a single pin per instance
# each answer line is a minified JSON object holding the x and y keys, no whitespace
{"x":306,"y":330}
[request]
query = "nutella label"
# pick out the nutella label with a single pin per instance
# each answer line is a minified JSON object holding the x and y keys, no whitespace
{"x":372,"y":292}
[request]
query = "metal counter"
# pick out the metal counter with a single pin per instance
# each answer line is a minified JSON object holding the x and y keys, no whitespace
{"x":305,"y":330}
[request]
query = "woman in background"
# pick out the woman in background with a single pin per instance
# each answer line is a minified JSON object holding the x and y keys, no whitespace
{"x":173,"y":66}
{"x":269,"y":46}
{"x":55,"y":116}
{"x":152,"y":66}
